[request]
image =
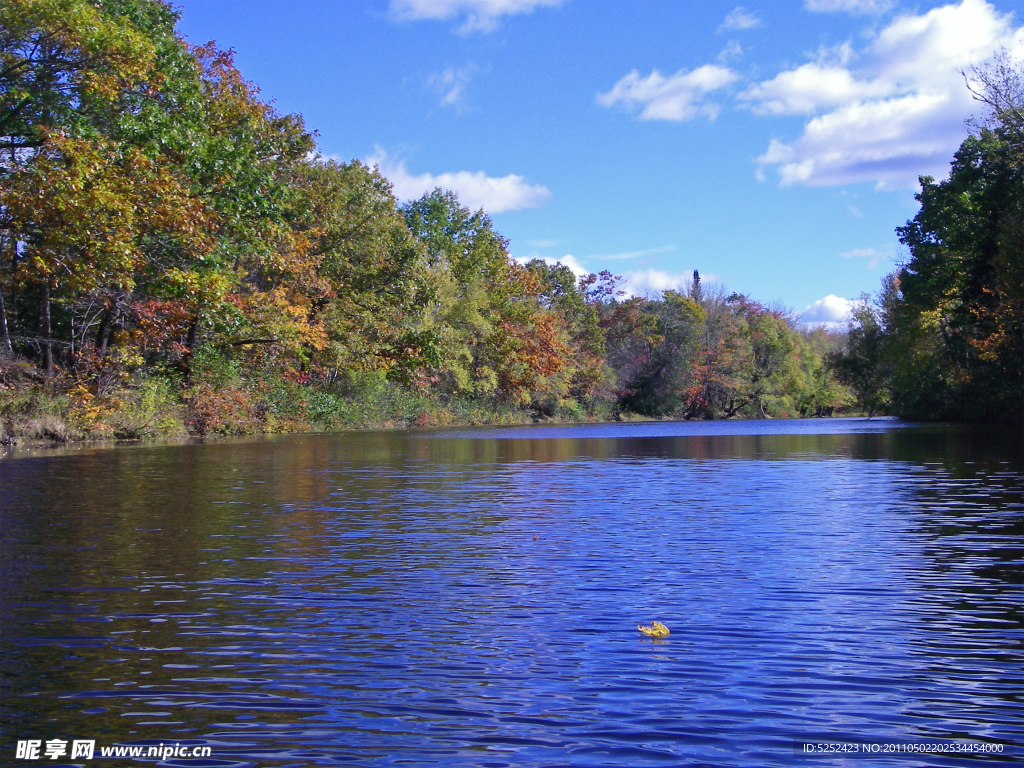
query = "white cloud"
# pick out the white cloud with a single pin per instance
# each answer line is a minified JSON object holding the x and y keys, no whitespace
{"x":479,"y":15}
{"x":740,"y":18}
{"x":849,"y":6}
{"x":896,"y":115}
{"x":832,"y":312}
{"x":631,"y":254}
{"x":732,"y":50}
{"x":648,"y":282}
{"x":568,"y":260}
{"x":654,"y":281}
{"x":808,"y":88}
{"x":873,"y":255}
{"x":677,"y":97}
{"x":451,"y":84}
{"x":474,"y":188}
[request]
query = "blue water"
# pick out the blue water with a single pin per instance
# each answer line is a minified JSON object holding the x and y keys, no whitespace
{"x":470,"y":597}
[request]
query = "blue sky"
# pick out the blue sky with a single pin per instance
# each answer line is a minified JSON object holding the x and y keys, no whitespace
{"x":773,"y":146}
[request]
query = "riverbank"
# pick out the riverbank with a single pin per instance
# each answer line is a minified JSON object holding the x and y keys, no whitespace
{"x":35,"y":411}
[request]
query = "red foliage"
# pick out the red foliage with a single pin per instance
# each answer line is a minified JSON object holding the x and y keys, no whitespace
{"x":227,"y":411}
{"x":161,"y":326}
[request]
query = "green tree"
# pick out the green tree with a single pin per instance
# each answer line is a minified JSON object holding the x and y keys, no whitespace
{"x":946,"y":337}
{"x":364,"y":275}
{"x":62,"y":61}
{"x":964,"y":277}
{"x":562,"y":294}
{"x":496,"y":334}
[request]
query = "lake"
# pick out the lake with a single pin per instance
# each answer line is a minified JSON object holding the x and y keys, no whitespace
{"x":470,"y":597}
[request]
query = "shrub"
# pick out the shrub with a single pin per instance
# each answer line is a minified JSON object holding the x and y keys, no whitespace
{"x":149,"y":409}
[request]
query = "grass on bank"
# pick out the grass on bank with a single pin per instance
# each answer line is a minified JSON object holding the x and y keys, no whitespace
{"x":221,"y":401}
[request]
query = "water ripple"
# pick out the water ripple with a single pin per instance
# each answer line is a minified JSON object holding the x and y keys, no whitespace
{"x":470,"y":598}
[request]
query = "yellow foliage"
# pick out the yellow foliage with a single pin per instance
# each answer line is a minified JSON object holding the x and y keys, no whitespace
{"x":657,"y":629}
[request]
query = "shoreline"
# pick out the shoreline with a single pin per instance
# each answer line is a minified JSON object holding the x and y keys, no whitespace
{"x":18,"y":448}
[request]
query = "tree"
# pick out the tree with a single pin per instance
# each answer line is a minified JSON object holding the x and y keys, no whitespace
{"x":864,"y":363}
{"x":60,"y":61}
{"x":565,"y":296}
{"x":147,"y":178}
{"x":946,"y":339}
{"x":966,"y":270}
{"x":496,"y":334}
{"x":88,"y":214}
{"x":365,"y":276}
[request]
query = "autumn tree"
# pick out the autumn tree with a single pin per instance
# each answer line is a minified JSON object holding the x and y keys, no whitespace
{"x":948,"y":332}
{"x":496,"y":335}
{"x":163,"y":226}
{"x":149,"y":179}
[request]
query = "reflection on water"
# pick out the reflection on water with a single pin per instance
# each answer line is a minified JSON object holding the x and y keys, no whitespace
{"x":470,"y":597}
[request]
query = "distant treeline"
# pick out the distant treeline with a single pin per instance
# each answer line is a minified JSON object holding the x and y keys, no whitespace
{"x":944,"y":339}
{"x":176,"y":257}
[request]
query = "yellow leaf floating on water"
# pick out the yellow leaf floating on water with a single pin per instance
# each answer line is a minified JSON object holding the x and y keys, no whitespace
{"x":657,"y":629}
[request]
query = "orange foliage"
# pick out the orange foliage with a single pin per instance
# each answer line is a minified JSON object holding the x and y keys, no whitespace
{"x":225,"y":411}
{"x":161,"y":326}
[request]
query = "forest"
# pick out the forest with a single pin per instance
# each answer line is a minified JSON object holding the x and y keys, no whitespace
{"x":176,"y":258}
{"x":944,"y":337}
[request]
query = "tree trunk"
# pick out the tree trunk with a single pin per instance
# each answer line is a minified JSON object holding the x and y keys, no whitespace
{"x":46,"y":331}
{"x":193,"y":334}
{"x":103,"y":334}
{"x":5,"y":336}
{"x":190,"y":343}
{"x":14,"y":287}
{"x":14,"y":294}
